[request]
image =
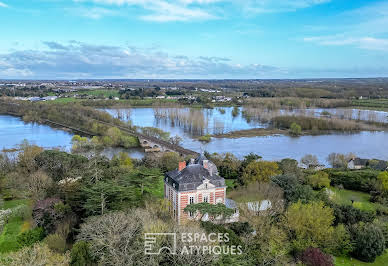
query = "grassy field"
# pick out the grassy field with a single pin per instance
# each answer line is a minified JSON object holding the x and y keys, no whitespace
{"x":376,"y":104}
{"x":8,"y":237}
{"x":101,"y":93}
{"x":360,"y":199}
{"x":380,"y":261}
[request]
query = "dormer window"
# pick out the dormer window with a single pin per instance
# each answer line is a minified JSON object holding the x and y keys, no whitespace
{"x":173,"y":185}
{"x":206,"y":186}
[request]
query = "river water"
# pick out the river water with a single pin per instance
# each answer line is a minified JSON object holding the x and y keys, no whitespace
{"x":190,"y":123}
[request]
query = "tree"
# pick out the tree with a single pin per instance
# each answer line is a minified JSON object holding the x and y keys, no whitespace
{"x":251,"y":157}
{"x":309,"y":160}
{"x":115,"y":135}
{"x":383,"y":180}
{"x":176,"y":140}
{"x":293,"y":190}
{"x":47,"y":213}
{"x":319,"y":180}
{"x":169,"y":161}
{"x":108,"y":195}
{"x":26,"y":157}
{"x":259,"y":172}
{"x":338,"y":160}
{"x":30,"y":237}
{"x":311,"y":224}
{"x":295,"y":129}
{"x":38,"y":183}
{"x":115,"y":238}
{"x":315,"y":257}
{"x":369,"y":242}
{"x":80,"y":254}
{"x":290,"y":167}
{"x":38,"y":254}
{"x":213,"y":211}
{"x":123,"y":160}
{"x":349,"y":215}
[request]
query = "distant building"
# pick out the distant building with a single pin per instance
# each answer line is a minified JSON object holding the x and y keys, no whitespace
{"x":357,"y":163}
{"x":194,"y":183}
{"x":316,"y":167}
{"x":49,"y":98}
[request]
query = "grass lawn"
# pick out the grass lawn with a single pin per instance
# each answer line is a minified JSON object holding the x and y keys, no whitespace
{"x":361,"y":199}
{"x":14,"y":226}
{"x":13,"y":203}
{"x":104,"y":93}
{"x":64,"y":100}
{"x":9,"y":235}
{"x":380,"y":261}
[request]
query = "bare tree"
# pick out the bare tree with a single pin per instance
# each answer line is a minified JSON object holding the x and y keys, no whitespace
{"x":309,"y":160}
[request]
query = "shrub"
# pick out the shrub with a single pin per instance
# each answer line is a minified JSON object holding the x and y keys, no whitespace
{"x":319,"y":180}
{"x":205,"y":138}
{"x":360,"y":180}
{"x":47,"y":213}
{"x":293,"y":190}
{"x":56,"y":243}
{"x":30,"y":237}
{"x":80,"y":254}
{"x":38,"y":254}
{"x":315,"y":257}
{"x":216,"y":228}
{"x":347,"y":214}
{"x":295,"y":129}
{"x":241,"y":228}
{"x":369,"y":242}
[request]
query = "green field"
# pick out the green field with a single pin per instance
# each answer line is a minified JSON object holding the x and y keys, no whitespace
{"x":101,"y":93}
{"x":377,"y":104}
{"x":361,"y":199}
{"x":8,"y":237}
{"x":380,"y":261}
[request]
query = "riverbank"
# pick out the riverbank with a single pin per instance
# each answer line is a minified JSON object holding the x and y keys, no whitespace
{"x":262,"y":132}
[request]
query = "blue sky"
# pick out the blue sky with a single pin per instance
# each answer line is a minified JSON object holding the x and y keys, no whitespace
{"x":69,"y":39}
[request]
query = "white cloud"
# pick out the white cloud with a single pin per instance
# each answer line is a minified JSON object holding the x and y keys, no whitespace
{"x":188,"y":10}
{"x":76,"y":59}
{"x":365,"y":28}
{"x":3,"y":4}
{"x":368,"y":43}
{"x":93,"y":13}
{"x":274,"y":6}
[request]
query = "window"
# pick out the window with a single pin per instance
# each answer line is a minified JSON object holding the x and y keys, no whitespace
{"x":174,"y":213}
{"x":191,"y":200}
{"x":191,"y":214}
{"x":206,"y":186}
{"x":206,"y":199}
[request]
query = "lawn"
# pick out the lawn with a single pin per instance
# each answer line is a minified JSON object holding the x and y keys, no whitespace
{"x":103,"y":93}
{"x":360,"y":199}
{"x":380,"y":261}
{"x":8,"y":237}
{"x":376,"y":104}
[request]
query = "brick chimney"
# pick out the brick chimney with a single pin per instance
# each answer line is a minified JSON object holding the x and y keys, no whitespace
{"x":182,"y":165}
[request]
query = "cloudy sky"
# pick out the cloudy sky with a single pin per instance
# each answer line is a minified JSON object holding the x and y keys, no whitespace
{"x":70,"y":39}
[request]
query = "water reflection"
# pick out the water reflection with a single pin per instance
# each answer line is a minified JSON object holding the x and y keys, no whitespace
{"x":187,"y":123}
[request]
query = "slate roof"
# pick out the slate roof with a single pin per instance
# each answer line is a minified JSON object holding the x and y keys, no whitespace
{"x":359,"y":161}
{"x":191,"y":177}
